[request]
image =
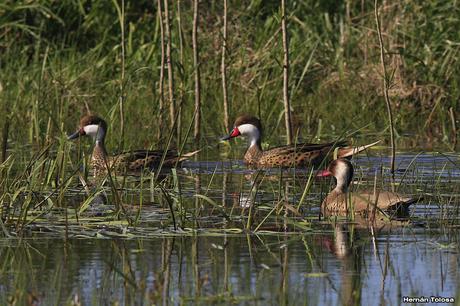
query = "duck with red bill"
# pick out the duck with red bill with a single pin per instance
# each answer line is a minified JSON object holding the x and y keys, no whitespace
{"x":234,"y":133}
{"x":298,"y":155}
{"x":323,"y":173}
{"x":340,"y":201}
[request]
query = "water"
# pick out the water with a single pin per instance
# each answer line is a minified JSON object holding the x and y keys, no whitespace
{"x":313,"y":269}
{"x":218,"y":255}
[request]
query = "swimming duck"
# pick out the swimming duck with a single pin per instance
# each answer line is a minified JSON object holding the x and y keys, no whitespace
{"x":96,"y":127}
{"x":298,"y":155}
{"x":340,"y":202}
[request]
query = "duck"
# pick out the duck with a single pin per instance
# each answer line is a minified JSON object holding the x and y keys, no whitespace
{"x":343,"y":203}
{"x":288,"y":156}
{"x":126,"y":162}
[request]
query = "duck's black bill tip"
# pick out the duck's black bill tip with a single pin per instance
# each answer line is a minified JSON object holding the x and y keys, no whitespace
{"x":227,"y":137}
{"x":74,"y":135}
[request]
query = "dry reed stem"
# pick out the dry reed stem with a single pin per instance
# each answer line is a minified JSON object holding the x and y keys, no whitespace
{"x":180,"y":99}
{"x":386,"y":88}
{"x":224,"y":69}
{"x":287,"y":106}
{"x":123,"y":66}
{"x":162,"y":70}
{"x":196,"y":65}
{"x":172,"y":106}
{"x":121,"y":21}
{"x":5,"y":133}
{"x":454,"y":126}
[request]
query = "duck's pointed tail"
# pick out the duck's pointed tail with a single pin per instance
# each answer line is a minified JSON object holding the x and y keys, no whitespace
{"x":186,"y":156}
{"x":349,"y":151}
{"x":410,"y":201}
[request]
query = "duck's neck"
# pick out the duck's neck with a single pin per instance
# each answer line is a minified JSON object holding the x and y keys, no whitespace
{"x":255,"y":144}
{"x":97,"y":133}
{"x":341,"y":187}
{"x":254,"y":151}
{"x":99,"y":159}
{"x":99,"y":151}
{"x":343,"y":176}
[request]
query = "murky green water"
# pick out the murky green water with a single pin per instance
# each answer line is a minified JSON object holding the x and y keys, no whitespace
{"x":238,"y":243}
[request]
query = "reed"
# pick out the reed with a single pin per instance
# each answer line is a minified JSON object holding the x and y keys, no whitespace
{"x":386,"y":88}
{"x":162,"y":71}
{"x":223,"y":68}
{"x":287,"y":104}
{"x":50,"y":78}
{"x":181,"y":98}
{"x":169,"y":62}
{"x":121,"y":100}
{"x":70,"y":58}
{"x":196,"y":64}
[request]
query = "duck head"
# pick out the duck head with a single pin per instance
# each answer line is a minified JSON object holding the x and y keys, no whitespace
{"x":342,"y":170}
{"x":247,"y":126}
{"x":93,"y":126}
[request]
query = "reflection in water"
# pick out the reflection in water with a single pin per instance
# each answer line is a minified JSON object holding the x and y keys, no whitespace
{"x":344,"y":268}
{"x":349,"y":251}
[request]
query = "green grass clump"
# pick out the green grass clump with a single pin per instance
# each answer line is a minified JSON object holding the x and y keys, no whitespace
{"x":61,"y":59}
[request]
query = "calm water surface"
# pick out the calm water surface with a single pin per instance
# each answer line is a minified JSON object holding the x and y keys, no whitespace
{"x":306,"y":269}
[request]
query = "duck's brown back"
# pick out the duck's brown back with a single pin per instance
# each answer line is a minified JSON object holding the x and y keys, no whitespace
{"x":143,"y":159}
{"x":299,"y":155}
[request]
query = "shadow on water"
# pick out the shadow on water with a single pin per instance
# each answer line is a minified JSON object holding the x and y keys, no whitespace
{"x":243,"y":237}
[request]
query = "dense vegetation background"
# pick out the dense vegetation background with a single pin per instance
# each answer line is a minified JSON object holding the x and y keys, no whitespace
{"x":60,"y":59}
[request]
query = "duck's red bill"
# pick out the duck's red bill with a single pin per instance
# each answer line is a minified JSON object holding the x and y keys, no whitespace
{"x":323,"y":173}
{"x":234,"y":133}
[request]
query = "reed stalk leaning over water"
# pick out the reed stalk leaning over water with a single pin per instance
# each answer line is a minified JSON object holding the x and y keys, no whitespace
{"x":172,"y":106}
{"x":196,"y":65}
{"x":287,"y":106}
{"x":224,"y":69}
{"x":386,"y":87}
{"x":162,"y":71}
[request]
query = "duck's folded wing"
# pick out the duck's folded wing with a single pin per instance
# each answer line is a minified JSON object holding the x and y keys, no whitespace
{"x":306,"y":147}
{"x":148,"y":156}
{"x":387,"y":200}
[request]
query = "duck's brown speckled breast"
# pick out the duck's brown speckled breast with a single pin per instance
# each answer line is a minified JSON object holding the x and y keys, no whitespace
{"x":252,"y":156}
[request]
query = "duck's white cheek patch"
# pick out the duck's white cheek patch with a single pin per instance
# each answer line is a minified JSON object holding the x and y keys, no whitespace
{"x":248,"y":130}
{"x":91,"y":129}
